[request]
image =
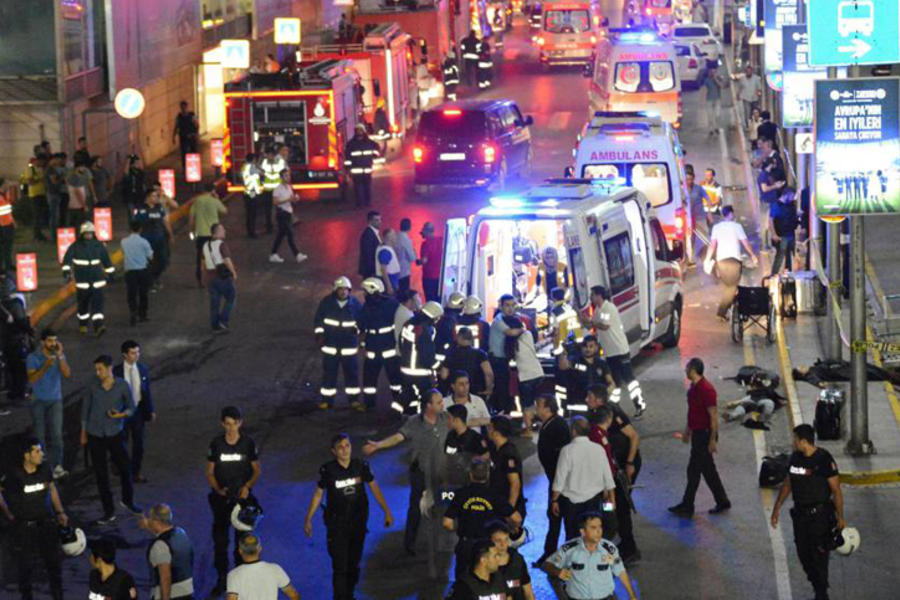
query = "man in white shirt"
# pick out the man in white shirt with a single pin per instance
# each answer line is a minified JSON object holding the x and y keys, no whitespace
{"x":406,"y":253}
{"x":583,"y":481}
{"x":749,"y":92}
{"x":611,"y":334}
{"x":728,"y":236}
{"x":477,"y":414}
{"x":137,"y":376}
{"x":256,"y":579}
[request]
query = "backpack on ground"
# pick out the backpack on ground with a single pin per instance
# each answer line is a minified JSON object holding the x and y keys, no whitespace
{"x":773,"y":470}
{"x":828,"y":414}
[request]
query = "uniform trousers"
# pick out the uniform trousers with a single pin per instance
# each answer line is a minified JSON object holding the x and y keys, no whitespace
{"x":372,"y":369}
{"x":330,"y":366}
{"x":6,"y":248}
{"x":623,"y":376}
{"x":362,"y":189}
{"x":627,"y":545}
{"x":31,"y":539}
{"x":572,"y":511}
{"x":702,"y":463}
{"x":99,"y":447}
{"x":221,"y":530}
{"x":265,"y":206}
{"x":812,"y":528}
{"x":90,"y":307}
{"x":250,"y":207}
{"x":160,"y":245}
{"x":413,"y":391}
{"x":345,"y":546}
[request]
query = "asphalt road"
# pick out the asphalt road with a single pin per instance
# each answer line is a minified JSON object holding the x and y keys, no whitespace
{"x":269,"y":365}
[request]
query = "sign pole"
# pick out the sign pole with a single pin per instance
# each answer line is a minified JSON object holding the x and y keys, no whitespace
{"x":833,"y":349}
{"x":859,"y":444}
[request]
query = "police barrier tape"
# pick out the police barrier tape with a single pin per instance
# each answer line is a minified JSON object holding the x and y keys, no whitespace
{"x":865,"y":345}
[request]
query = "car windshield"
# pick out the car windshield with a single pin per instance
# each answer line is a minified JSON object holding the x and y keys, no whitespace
{"x":567,"y":21}
{"x":691,"y":32}
{"x":456,"y":123}
{"x":650,"y":178}
{"x":644,"y":76}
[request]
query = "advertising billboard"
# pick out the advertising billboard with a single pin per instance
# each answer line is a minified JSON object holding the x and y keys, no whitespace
{"x":857,"y":146}
{"x":853,"y":32}
{"x":799,"y":78}
{"x":778,"y":14}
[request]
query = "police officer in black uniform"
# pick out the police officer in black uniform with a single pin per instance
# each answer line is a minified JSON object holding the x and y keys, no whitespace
{"x":471,"y":508}
{"x":513,"y":571}
{"x":818,"y":505}
{"x":25,"y":493}
{"x":232,"y":469}
{"x":346,"y":512}
{"x":480,"y":582}
{"x":376,"y":324}
{"x":506,"y":468}
{"x":580,"y":373}
{"x":107,"y":580}
{"x":156,"y":230}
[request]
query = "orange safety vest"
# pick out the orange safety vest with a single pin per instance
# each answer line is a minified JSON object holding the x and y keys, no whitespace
{"x":6,"y":212}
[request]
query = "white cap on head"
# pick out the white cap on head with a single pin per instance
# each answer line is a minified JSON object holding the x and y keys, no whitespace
{"x":373,"y":285}
{"x":342,"y":282}
{"x":472,"y":306}
{"x":456,"y":301}
{"x":433,"y":310}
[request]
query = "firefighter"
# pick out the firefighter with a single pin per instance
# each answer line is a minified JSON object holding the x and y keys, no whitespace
{"x":563,"y":322}
{"x":87,"y":260}
{"x":417,"y":356}
{"x":382,"y":128}
{"x":451,"y":76}
{"x":272,"y":166}
{"x":252,"y":176}
{"x":498,"y":28}
{"x":471,"y":319}
{"x":471,"y":49}
{"x":376,"y":322}
{"x":360,"y":155}
{"x":337,"y":333}
{"x":485,"y":66}
{"x":445,"y":330}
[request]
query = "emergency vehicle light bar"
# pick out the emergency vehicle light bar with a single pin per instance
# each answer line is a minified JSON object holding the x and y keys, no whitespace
{"x":634,"y":114}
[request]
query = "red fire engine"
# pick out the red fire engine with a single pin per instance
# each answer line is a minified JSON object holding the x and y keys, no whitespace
{"x":312,"y":111}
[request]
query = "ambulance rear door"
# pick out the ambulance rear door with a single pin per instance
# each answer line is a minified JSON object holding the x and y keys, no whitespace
{"x":455,"y":262}
{"x":643,"y":260}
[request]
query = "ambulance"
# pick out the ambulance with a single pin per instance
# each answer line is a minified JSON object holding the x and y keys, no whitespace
{"x":569,"y":31}
{"x":636,"y":70}
{"x":644,"y":151}
{"x":605,"y":234}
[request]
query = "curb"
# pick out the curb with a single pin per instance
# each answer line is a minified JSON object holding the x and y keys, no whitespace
{"x":48,"y":305}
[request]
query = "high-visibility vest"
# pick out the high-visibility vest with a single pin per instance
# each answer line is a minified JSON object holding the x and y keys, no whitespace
{"x":272,"y":172}
{"x":251,"y":176}
{"x":6,"y":212}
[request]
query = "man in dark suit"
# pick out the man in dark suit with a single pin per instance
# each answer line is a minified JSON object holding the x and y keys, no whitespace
{"x":137,"y":376}
{"x":368,"y":244}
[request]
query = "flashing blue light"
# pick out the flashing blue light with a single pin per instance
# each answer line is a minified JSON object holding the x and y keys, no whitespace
{"x":506,"y":202}
{"x":640,"y":38}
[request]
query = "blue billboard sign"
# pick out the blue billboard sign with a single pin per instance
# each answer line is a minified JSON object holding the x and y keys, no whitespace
{"x":778,"y":14}
{"x":857,"y":151}
{"x":853,"y":32}
{"x":799,"y":78}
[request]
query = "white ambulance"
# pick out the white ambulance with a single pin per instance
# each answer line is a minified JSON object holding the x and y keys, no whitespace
{"x":643,"y":151}
{"x":636,"y":70}
{"x":604,"y":236}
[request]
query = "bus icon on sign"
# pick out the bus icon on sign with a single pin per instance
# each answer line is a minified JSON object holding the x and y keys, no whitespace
{"x":856,"y":17}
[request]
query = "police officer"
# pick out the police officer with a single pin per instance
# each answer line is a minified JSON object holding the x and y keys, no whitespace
{"x":563,"y":321}
{"x":506,"y":468}
{"x":337,"y":329}
{"x":417,"y":356}
{"x":107,"y":580}
{"x":346,"y":512}
{"x":451,"y":76}
{"x":588,"y":563}
{"x":445,"y":329}
{"x":156,"y":230}
{"x":359,"y":157}
{"x":471,"y":508}
{"x":579,"y":374}
{"x":513,"y":571}
{"x":252,"y":176}
{"x":171,"y":550}
{"x":376,"y":323}
{"x":88,"y":261}
{"x":480,"y":582}
{"x":471,"y":50}
{"x":818,"y":505}
{"x":26,"y":490}
{"x":232,"y":469}
{"x":475,"y":362}
{"x":485,"y":66}
{"x":471,"y":319}
{"x":271,"y":166}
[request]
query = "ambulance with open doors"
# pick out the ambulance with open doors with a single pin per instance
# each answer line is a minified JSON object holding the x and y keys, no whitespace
{"x":636,"y":70}
{"x":605,"y":235}
{"x":642,"y":150}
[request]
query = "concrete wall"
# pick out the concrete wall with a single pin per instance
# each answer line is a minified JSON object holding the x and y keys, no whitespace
{"x":21,"y":127}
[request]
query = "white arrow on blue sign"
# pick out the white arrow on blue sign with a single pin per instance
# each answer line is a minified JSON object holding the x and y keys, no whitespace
{"x":853,"y":32}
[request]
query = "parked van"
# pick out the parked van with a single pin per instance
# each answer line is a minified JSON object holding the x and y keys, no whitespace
{"x":636,"y":70}
{"x":640,"y":150}
{"x":604,"y":235}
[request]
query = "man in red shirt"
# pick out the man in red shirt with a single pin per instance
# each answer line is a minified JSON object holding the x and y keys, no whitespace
{"x":430,"y":259}
{"x":702,"y":432}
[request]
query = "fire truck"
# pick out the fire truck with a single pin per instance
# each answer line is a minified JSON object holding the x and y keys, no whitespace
{"x":569,"y":31}
{"x":311,"y":111}
{"x":385,"y":72}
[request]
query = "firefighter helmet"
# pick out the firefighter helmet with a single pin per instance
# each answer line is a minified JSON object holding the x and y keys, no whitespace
{"x":86,"y":227}
{"x":433,"y":310}
{"x":472,"y":306}
{"x":373,"y":285}
{"x":456,"y":301}
{"x":342,"y":282}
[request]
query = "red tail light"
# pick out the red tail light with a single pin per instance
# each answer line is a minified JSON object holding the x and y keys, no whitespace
{"x":679,"y":221}
{"x":540,"y":41}
{"x":490,"y":153}
{"x":418,"y":153}
{"x":452,"y":112}
{"x":692,"y":63}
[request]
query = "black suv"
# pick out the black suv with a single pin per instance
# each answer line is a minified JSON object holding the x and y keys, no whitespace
{"x":472,"y":143}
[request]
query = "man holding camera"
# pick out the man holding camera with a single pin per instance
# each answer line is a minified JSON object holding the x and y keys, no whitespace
{"x":46,"y":367}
